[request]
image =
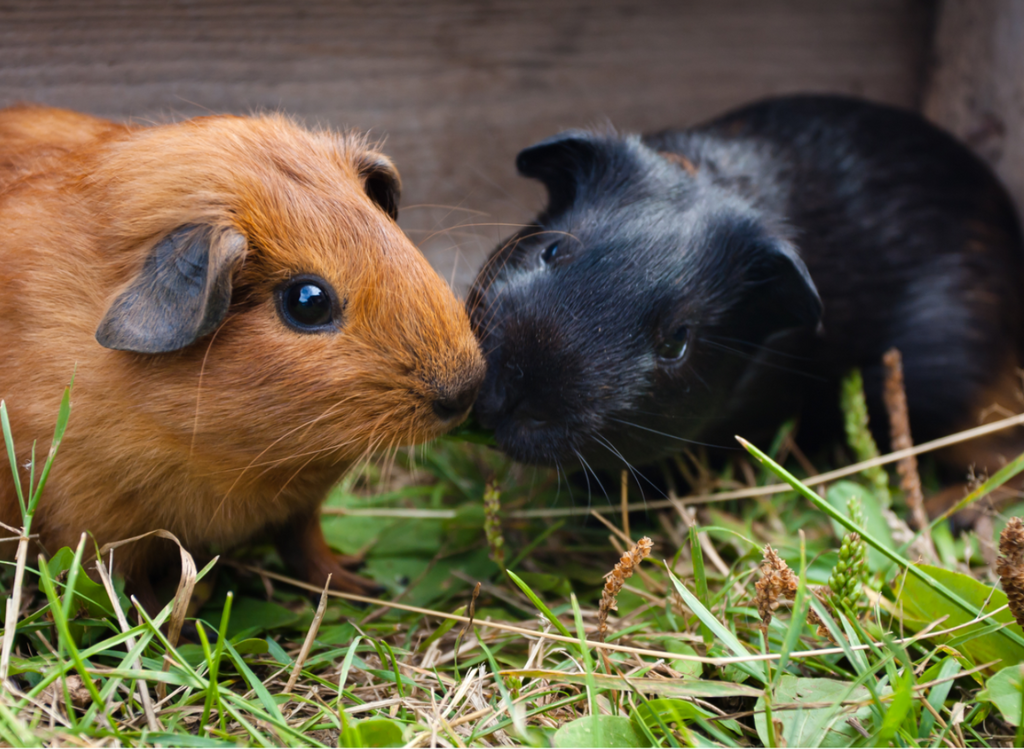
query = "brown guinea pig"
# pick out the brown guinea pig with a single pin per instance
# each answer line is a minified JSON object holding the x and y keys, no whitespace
{"x":244,"y":320}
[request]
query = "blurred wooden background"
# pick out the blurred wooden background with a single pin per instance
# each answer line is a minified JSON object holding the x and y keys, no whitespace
{"x":457,"y":88}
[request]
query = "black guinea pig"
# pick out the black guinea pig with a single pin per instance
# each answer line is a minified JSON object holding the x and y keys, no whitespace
{"x":695,"y":284}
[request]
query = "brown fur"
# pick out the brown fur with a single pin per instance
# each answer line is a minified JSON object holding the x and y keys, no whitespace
{"x":244,"y":431}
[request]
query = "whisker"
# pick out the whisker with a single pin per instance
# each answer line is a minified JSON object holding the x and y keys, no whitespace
{"x":762,"y":362}
{"x":670,"y":436}
{"x":636,"y":474}
{"x":756,"y":346}
{"x":586,"y":476}
{"x":586,"y":466}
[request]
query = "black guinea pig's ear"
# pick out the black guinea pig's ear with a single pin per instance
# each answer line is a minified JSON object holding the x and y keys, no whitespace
{"x":181,"y":294}
{"x":560,"y":162}
{"x":381,"y":182}
{"x":786,"y":294}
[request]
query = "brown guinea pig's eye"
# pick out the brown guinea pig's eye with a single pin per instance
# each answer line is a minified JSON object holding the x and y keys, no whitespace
{"x":308,"y":304}
{"x":673,"y":348}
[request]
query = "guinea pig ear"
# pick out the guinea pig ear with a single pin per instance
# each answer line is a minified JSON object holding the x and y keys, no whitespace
{"x":181,"y":294}
{"x":786,"y":293}
{"x":382,"y":183}
{"x":559,"y":162}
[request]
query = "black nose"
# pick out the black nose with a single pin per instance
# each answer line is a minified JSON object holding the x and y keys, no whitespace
{"x":450,"y":405}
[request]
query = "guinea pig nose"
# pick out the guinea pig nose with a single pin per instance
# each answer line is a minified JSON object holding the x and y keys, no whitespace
{"x":450,"y":405}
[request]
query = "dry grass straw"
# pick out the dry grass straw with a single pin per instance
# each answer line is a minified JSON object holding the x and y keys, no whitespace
{"x":122,"y":622}
{"x":307,"y":644}
{"x":13,"y":606}
{"x":182,"y":596}
{"x":615,"y":579}
{"x":1010,"y":567}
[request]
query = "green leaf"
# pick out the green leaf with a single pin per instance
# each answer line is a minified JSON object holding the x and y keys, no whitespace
{"x":471,"y":431}
{"x":814,"y":726}
{"x":92,"y":595}
{"x":656,"y":713}
{"x":692,"y":669}
{"x":609,"y":730}
{"x":1004,"y":691}
{"x":251,"y":615}
{"x":376,"y":732}
{"x":923,"y":604}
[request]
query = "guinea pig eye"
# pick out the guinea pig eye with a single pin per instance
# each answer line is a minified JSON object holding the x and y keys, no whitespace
{"x":673,"y":348}
{"x":550,"y":253}
{"x":307,"y":304}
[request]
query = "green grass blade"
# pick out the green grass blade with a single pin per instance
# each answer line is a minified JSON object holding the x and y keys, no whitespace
{"x":999,"y":478}
{"x":539,"y":604}
{"x":700,"y":581}
{"x":9,"y":442}
{"x":13,"y":731}
{"x":63,"y":414}
{"x":254,"y":683}
{"x":724,"y":635}
{"x":61,"y":624}
{"x":797,"y":619}
{"x":588,"y":668}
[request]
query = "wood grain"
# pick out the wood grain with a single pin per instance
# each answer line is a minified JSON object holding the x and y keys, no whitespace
{"x":976,"y":89}
{"x":457,"y":88}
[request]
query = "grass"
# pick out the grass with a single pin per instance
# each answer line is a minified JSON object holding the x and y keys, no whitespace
{"x":488,"y":632}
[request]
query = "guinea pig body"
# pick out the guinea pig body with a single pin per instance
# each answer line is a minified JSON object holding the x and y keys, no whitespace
{"x":695,"y":284}
{"x":243,"y":317}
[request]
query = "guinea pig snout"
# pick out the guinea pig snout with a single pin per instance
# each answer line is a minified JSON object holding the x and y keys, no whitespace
{"x":453,"y":403}
{"x":529,"y":400}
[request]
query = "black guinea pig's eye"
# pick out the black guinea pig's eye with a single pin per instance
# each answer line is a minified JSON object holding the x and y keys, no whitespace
{"x":307,"y":304}
{"x":673,"y":348}
{"x":550,"y":253}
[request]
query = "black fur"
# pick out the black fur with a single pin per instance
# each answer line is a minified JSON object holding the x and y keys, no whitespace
{"x":795,"y":238}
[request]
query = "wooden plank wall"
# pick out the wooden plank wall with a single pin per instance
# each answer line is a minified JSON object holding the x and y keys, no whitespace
{"x":976,"y":85}
{"x":457,"y":88}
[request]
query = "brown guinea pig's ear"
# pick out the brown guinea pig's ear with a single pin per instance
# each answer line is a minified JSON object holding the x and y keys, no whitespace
{"x":181,"y":294}
{"x":381,"y":182}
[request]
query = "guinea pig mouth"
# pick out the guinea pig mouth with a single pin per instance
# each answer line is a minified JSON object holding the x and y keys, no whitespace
{"x":535,"y":441}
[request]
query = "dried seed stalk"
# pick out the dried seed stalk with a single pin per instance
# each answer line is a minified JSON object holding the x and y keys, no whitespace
{"x":899,"y":428}
{"x":1010,"y":566}
{"x":615,"y":579}
{"x":777,"y":584}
